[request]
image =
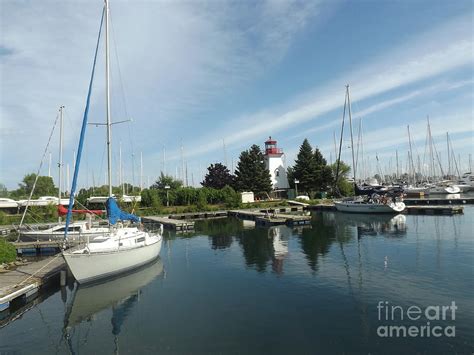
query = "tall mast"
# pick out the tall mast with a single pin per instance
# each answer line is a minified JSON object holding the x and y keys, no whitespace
{"x":141,"y":171}
{"x":352,"y":138}
{"x":107,"y":96}
{"x":398,"y":172}
{"x":448,"y":156}
{"x":120,"y":169}
{"x":60,"y":164}
{"x":411,"y":156}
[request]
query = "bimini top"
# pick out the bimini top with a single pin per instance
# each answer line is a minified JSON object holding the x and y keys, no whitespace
{"x":114,"y":213}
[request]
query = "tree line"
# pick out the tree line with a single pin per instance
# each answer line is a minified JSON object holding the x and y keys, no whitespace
{"x":220,"y":185}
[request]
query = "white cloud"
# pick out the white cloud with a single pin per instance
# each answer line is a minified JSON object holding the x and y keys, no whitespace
{"x":440,"y":50}
{"x":175,"y":58}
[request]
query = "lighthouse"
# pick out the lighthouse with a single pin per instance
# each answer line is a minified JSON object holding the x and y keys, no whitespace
{"x":275,"y":165}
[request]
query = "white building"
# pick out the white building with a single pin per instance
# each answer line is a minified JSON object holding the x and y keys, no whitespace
{"x":274,"y":163}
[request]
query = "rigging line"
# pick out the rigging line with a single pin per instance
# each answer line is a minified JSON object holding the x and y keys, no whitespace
{"x":124,"y":98}
{"x":83,"y":132}
{"x":38,"y":172}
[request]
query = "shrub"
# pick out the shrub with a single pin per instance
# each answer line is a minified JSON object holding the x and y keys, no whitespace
{"x":7,"y":251}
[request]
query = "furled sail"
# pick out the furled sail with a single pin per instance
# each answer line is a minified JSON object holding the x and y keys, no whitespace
{"x":62,"y":211}
{"x":114,"y":213}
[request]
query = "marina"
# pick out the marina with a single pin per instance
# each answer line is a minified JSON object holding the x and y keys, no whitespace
{"x":340,"y":267}
{"x":202,"y":177}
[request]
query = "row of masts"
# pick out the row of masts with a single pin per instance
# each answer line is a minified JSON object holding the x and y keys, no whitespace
{"x":428,"y":169}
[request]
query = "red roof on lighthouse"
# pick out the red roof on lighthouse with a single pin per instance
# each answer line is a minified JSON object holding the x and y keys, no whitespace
{"x":270,"y":141}
{"x":271,"y":147}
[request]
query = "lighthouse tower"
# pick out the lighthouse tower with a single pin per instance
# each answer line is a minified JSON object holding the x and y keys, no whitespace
{"x":274,"y":163}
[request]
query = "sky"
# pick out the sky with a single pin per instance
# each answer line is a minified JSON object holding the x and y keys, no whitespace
{"x":201,"y":81}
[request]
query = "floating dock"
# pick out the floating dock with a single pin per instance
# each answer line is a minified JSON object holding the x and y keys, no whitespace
{"x":271,"y":217}
{"x":199,"y":215}
{"x":438,"y":201}
{"x":431,"y":210}
{"x":179,"y":225}
{"x":23,"y":283}
{"x":38,"y":246}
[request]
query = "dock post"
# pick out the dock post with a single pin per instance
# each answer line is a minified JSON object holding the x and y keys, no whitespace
{"x":62,"y":278}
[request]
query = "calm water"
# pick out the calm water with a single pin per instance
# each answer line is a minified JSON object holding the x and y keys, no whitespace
{"x":234,"y":288}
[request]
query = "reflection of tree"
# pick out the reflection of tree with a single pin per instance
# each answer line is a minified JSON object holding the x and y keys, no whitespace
{"x":220,"y":231}
{"x":257,"y":248}
{"x":317,"y":240}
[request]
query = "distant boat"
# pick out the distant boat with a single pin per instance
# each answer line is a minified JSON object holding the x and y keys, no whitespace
{"x":80,"y":230}
{"x":44,"y":201}
{"x":362,"y":206}
{"x":466,"y":182}
{"x":122,"y":247}
{"x":375,"y":203}
{"x":8,"y":203}
{"x":443,"y":187}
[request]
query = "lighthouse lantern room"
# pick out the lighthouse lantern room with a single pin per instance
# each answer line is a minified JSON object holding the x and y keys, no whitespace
{"x":275,"y":165}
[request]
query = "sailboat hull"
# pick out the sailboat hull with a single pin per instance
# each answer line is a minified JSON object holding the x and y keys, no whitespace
{"x":88,"y":267}
{"x":361,"y":207}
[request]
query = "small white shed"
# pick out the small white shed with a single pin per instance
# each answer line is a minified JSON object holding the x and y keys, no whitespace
{"x":247,"y":197}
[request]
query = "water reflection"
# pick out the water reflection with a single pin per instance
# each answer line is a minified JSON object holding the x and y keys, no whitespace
{"x":371,"y":225}
{"x":119,"y":294}
{"x":280,"y":236}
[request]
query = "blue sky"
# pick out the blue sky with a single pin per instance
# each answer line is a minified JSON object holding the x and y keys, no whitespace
{"x":196,"y":74}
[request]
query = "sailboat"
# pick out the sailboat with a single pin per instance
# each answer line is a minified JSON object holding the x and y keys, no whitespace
{"x":123,"y":246}
{"x":377,"y":203}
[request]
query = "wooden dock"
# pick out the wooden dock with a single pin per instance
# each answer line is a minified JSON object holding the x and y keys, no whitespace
{"x":269,"y":218}
{"x":432,"y":210}
{"x":179,"y":225}
{"x":199,"y":215}
{"x":438,"y":201}
{"x":24,"y":283}
{"x":43,"y":244}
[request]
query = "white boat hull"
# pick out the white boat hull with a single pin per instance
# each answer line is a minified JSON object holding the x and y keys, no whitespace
{"x":445,"y":190}
{"x":87,"y":267}
{"x":361,"y":207}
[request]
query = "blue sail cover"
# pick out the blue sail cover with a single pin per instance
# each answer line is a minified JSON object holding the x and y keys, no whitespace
{"x":114,"y":213}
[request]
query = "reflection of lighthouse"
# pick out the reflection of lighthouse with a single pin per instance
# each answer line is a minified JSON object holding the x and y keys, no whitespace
{"x":280,"y":236}
{"x":274,"y":163}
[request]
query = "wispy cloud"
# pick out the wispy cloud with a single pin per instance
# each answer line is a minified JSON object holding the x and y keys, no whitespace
{"x":175,"y":59}
{"x":438,"y":51}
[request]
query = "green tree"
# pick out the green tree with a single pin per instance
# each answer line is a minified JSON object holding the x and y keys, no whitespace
{"x":44,"y":187}
{"x":166,"y":180}
{"x":251,"y":173}
{"x":218,"y":176}
{"x":343,"y":186}
{"x":3,"y":190}
{"x":305,"y":169}
{"x":324,"y":176}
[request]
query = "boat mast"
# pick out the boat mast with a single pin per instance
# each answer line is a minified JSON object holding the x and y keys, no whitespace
{"x":448,"y":156}
{"x":412,"y":166}
{"x":107,"y":95}
{"x":352,"y":138}
{"x":60,"y":164}
{"x":398,"y":172}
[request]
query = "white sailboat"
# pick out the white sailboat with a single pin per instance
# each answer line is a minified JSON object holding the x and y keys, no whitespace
{"x":379,"y":204}
{"x":121,"y":247}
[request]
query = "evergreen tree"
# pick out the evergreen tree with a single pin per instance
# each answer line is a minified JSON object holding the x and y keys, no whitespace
{"x":251,"y":173}
{"x":218,"y":176}
{"x":323,"y":178}
{"x":305,"y":169}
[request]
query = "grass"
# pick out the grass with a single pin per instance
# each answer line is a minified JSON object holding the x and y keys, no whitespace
{"x":7,"y":251}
